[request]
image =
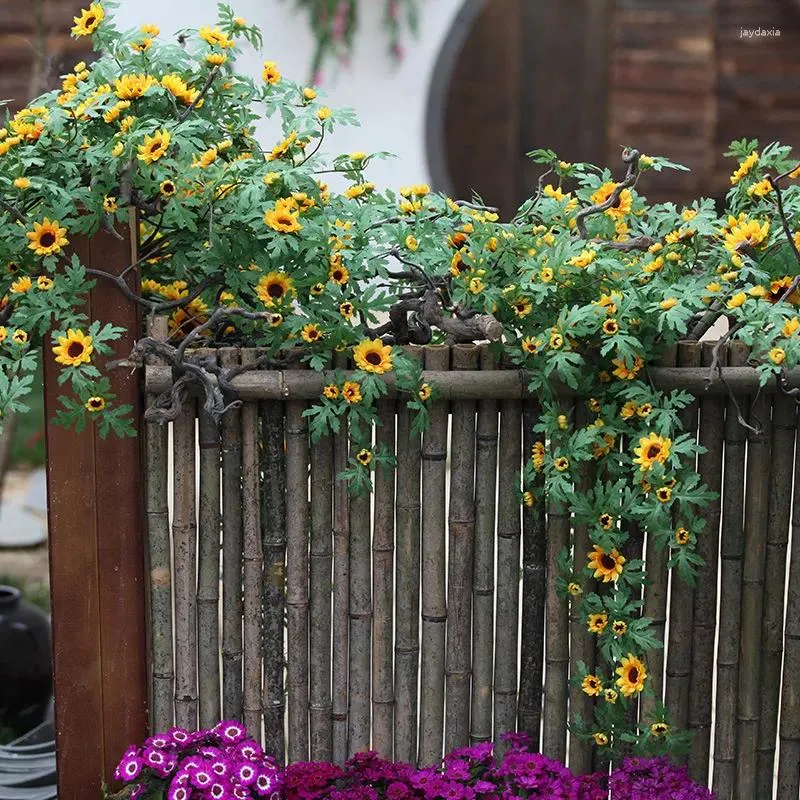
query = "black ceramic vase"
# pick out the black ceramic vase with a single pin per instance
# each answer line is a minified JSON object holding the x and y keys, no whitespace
{"x":26,"y":673}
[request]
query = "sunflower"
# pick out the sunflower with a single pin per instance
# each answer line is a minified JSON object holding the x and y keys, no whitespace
{"x":351,"y":391}
{"x":744,"y":167}
{"x":622,"y":205}
{"x":216,"y":59}
{"x":331,"y":391}
{"x":610,"y":327}
{"x":682,"y":536}
{"x":282,"y":148}
{"x":275,"y":320}
{"x":600,"y":738}
{"x":20,"y":336}
{"x":737,"y":300}
{"x":652,"y":448}
{"x":47,"y":237}
{"x":347,"y":310}
{"x":644,"y":410}
{"x":88,"y":21}
{"x":563,"y":422}
{"x":132,"y":86}
{"x":584,"y":259}
{"x":746,"y":233}
{"x":592,"y":685}
{"x":538,"y":455}
{"x":339,"y":274}
{"x":632,"y":675}
{"x":522,"y":306}
{"x":206,"y":159}
{"x":364,"y":457}
{"x":610,"y":695}
{"x":556,"y":341}
{"x":167,"y":188}
{"x":311,"y":333}
{"x":109,"y":204}
{"x":607,"y":566}
{"x":664,"y":494}
{"x":95,"y":404}
{"x":3,"y":333}
{"x":22,"y":183}
{"x":215,"y":37}
{"x":628,"y":410}
{"x":625,"y":372}
{"x":372,"y":355}
{"x":411,"y":242}
{"x":309,"y":94}
{"x":659,"y":728}
{"x":574,"y":589}
{"x":154,"y":146}
{"x":777,"y":355}
{"x":620,"y":627}
{"x":44,"y":283}
{"x":270,"y":74}
{"x":425,"y":392}
{"x":596,"y":623}
{"x":274,"y":287}
{"x":21,"y":285}
{"x":606,"y":521}
{"x":317,"y":289}
{"x":283,"y":220}
{"x":561,"y":463}
{"x":73,"y":349}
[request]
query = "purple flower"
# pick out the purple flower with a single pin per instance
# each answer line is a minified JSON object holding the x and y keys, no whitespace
{"x":219,"y":790}
{"x":179,"y":792}
{"x":265,"y":783}
{"x":201,"y":778}
{"x":249,"y":749}
{"x":129,"y":768}
{"x":159,"y":740}
{"x":179,"y":736}
{"x":246,"y":773}
{"x":230,"y":731}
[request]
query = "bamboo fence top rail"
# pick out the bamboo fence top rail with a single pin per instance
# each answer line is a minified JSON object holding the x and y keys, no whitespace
{"x":474,"y":384}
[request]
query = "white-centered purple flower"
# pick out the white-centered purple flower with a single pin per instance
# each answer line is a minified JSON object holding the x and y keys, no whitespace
{"x":201,"y":778}
{"x":246,"y":774}
{"x":230,"y":731}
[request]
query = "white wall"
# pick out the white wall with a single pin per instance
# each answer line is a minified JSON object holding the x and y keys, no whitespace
{"x":389,"y":101}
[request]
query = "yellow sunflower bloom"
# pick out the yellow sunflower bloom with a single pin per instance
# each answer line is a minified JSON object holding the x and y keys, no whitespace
{"x":561,"y":464}
{"x":584,"y":259}
{"x":574,"y":589}
{"x":600,"y":738}
{"x":737,"y":300}
{"x":109,"y":204}
{"x":747,"y":233}
{"x":74,"y":349}
{"x":424,"y":392}
{"x":311,"y":333}
{"x":790,"y":327}
{"x":338,"y":273}
{"x":364,"y":457}
{"x":538,"y":455}
{"x":777,"y":355}
{"x":652,"y":448}
{"x":659,"y":728}
{"x":606,"y":521}
{"x":632,"y":675}
{"x":131,"y":87}
{"x":215,"y":37}
{"x":351,"y":391}
{"x":592,"y":685}
{"x":372,"y":355}
{"x":94,"y":404}
{"x":624,"y":202}
{"x":19,"y":336}
{"x":668,"y":303}
{"x":271,"y":74}
{"x":22,"y":183}
{"x":610,"y":696}
{"x":682,"y":536}
{"x":619,"y":627}
{"x":596,"y":623}
{"x":44,"y":284}
{"x":625,"y":372}
{"x":274,"y":287}
{"x":88,"y":21}
{"x":664,"y":494}
{"x":167,"y":188}
{"x":309,"y":94}
{"x":216,"y":59}
{"x":21,"y":285}
{"x":744,"y":167}
{"x":606,"y":566}
{"x":154,"y":147}
{"x":47,"y":237}
{"x":283,"y":220}
{"x":610,"y":327}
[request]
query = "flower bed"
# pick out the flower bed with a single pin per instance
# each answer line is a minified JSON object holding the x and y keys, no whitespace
{"x":223,"y":762}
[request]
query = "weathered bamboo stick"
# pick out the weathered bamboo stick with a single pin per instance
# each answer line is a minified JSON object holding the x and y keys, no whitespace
{"x":711,"y":437}
{"x":320,"y":576}
{"x":582,"y":644}
{"x":483,"y":563}
{"x":232,"y":608}
{"x":341,"y":586}
{"x":757,"y":487}
{"x":789,"y":759}
{"x":731,"y":552}
{"x":510,"y":384}
{"x":655,"y":598}
{"x":407,"y":578}
{"x":297,"y":531}
{"x":784,"y":423}
{"x":252,"y":564}
{"x":461,"y":530}
{"x":273,"y":543}
{"x":159,"y":555}
{"x":556,"y":664}
{"x":184,"y":541}
{"x":534,"y":588}
{"x":681,"y":607}
{"x":383,"y":589}
{"x":208,"y":570}
{"x":360,"y":662}
{"x":509,"y":529}
{"x":434,"y":606}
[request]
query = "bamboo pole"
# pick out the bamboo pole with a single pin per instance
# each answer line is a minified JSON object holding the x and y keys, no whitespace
{"x":162,"y":715}
{"x":434,"y":608}
{"x":655,"y":598}
{"x":252,"y":565}
{"x":297,"y":624}
{"x":483,"y":563}
{"x":556,"y":665}
{"x":407,"y":579}
{"x":757,"y":488}
{"x":208,"y":570}
{"x":383,"y":589}
{"x":461,"y":530}
{"x":509,"y":529}
{"x":731,"y":552}
{"x":582,"y":644}
{"x":711,"y":437}
{"x":184,"y":540}
{"x":320,"y":576}
{"x":232,"y":608}
{"x":358,"y":706}
{"x":784,"y":423}
{"x":509,"y":384}
{"x":273,"y":543}
{"x":534,"y":587}
{"x":681,"y":607}
{"x":789,"y":759}
{"x":341,"y":587}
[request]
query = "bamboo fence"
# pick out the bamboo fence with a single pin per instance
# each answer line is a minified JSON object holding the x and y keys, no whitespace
{"x":425,"y":616}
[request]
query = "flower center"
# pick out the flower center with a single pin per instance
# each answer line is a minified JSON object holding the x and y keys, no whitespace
{"x":633,"y":675}
{"x":374,"y":358}
{"x":90,"y":21}
{"x":275,"y":290}
{"x":75,"y":349}
{"x":47,"y":239}
{"x":155,"y":146}
{"x":653,"y":450}
{"x":607,"y":561}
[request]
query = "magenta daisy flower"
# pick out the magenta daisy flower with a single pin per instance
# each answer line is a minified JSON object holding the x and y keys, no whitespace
{"x":129,"y":768}
{"x":178,"y":793}
{"x":219,"y":766}
{"x":201,"y":778}
{"x":241,"y":793}
{"x":230,"y":731}
{"x":218,"y":790}
{"x":154,"y":757}
{"x":264,"y":783}
{"x":191,"y":763}
{"x":160,"y":741}
{"x":250,"y":750}
{"x":246,"y":774}
{"x":179,"y":736}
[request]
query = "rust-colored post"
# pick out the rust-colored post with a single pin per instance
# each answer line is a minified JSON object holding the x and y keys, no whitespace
{"x":95,"y":521}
